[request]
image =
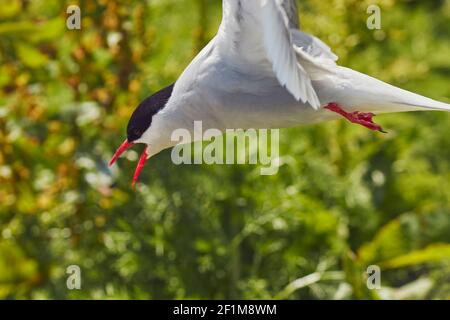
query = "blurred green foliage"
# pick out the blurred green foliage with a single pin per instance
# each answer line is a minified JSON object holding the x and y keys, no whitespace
{"x":344,"y":198}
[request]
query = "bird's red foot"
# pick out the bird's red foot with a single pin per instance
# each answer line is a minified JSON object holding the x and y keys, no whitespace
{"x":364,"y":119}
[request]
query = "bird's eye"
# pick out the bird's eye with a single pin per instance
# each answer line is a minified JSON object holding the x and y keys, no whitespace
{"x":137,"y":132}
{"x":134,"y":134}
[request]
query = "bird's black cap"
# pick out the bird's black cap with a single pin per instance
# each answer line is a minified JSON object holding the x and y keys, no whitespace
{"x":141,"y":118}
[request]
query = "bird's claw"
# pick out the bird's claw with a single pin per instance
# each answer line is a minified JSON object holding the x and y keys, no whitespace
{"x":361,"y":118}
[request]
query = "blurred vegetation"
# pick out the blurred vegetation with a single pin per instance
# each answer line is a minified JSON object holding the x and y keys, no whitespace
{"x":344,"y":198}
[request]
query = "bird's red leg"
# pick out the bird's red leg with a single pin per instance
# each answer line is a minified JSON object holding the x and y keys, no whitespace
{"x":364,"y":119}
{"x":142,"y":160}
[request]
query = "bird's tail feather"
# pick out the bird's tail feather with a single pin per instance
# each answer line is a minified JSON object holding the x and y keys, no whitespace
{"x":415,"y":102}
{"x":430,"y":104}
{"x":382,"y":97}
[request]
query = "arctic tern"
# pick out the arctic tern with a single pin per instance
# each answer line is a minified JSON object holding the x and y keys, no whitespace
{"x":261,"y":71}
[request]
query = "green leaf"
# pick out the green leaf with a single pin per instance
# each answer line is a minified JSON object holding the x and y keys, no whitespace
{"x":387,"y":243}
{"x":52,"y":29}
{"x":30,"y":56}
{"x":16,"y":28}
{"x":432,"y":253}
{"x":10,"y":8}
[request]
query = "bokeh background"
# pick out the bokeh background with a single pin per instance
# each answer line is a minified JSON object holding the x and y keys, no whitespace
{"x":344,"y":198}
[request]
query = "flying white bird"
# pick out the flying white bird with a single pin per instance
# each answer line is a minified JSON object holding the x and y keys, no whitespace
{"x":261,"y":71}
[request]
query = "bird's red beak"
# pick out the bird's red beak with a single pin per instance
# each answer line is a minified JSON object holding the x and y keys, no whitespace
{"x":142,"y":160}
{"x":123,"y":147}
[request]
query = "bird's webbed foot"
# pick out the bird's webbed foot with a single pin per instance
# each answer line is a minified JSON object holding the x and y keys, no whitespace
{"x":361,"y":118}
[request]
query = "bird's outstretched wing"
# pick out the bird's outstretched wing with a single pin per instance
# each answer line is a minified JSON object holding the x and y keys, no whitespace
{"x":257,"y":33}
{"x":290,"y":8}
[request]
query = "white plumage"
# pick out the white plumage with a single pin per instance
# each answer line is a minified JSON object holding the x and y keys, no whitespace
{"x":261,"y":71}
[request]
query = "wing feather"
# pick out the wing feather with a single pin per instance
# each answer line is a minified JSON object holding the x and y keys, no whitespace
{"x":263,"y":36}
{"x":280,"y":52}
